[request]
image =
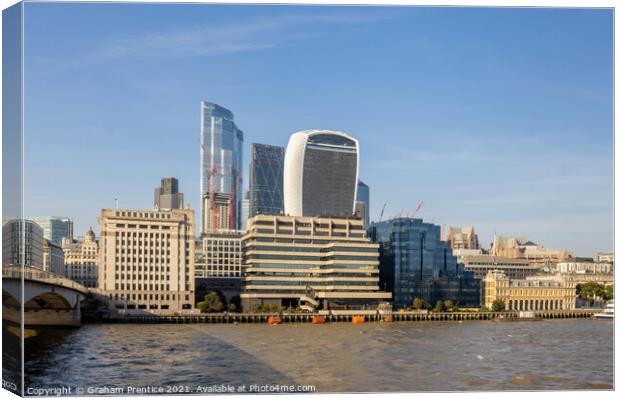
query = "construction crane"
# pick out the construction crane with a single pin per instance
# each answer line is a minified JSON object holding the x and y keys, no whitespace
{"x":382,"y":210}
{"x":417,"y":209}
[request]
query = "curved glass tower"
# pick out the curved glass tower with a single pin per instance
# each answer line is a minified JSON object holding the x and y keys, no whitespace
{"x":221,"y":155}
{"x":320,"y":174}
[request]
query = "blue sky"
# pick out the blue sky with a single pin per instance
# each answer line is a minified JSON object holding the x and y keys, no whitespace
{"x":496,"y":118}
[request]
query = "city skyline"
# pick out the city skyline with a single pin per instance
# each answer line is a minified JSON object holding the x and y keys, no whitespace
{"x":514,"y":139}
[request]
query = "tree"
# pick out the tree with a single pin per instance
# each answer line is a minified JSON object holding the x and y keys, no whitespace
{"x":211,"y":303}
{"x":418,"y":304}
{"x":609,"y":292}
{"x":590,"y":291}
{"x":440,"y":306}
{"x":449,"y":305}
{"x":498,"y":305}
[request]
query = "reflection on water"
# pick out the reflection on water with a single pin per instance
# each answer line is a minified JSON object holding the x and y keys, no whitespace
{"x":401,"y":356}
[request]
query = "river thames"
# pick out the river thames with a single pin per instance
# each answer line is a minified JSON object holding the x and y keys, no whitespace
{"x":338,"y":357}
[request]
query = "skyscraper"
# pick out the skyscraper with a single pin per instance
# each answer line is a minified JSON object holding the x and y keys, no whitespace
{"x":167,"y":196}
{"x":221,"y":165}
{"x":362,"y":203}
{"x":320,"y":174}
{"x":55,"y":228}
{"x":416,"y":263}
{"x":266,"y":180}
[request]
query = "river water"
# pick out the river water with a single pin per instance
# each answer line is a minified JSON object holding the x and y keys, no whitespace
{"x":338,"y":357}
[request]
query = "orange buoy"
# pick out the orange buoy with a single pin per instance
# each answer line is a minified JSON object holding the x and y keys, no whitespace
{"x":358,"y":319}
{"x":388,"y":318}
{"x":274,"y":320}
{"x":318,"y":320}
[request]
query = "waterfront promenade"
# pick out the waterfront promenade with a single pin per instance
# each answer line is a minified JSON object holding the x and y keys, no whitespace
{"x":397,"y":316}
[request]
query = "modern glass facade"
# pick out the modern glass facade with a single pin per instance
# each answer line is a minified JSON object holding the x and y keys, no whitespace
{"x":416,"y":263}
{"x":55,"y":228}
{"x":22,"y":243}
{"x":266,"y":180}
{"x":362,"y":202}
{"x":320,"y":174}
{"x":221,"y":156}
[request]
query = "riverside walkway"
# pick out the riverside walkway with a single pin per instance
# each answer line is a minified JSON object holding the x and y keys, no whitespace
{"x":376,"y":317}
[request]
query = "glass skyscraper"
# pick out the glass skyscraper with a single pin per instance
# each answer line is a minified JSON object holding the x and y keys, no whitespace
{"x":266,"y":180}
{"x":221,"y":156}
{"x":362,"y":202}
{"x":320,"y":174}
{"x":416,"y":263}
{"x":55,"y":228}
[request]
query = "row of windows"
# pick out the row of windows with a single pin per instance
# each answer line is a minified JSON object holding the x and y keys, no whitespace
{"x":149,"y":296}
{"x":140,"y":268}
{"x":140,"y":286}
{"x":165,"y":260}
{"x":143,"y":235}
{"x":156,"y":215}
{"x":139,"y":277}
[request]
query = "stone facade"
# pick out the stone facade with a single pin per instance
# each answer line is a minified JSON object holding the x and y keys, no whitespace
{"x":535,"y":293}
{"x":311,"y":262}
{"x":146,"y":259}
{"x":480,"y":265}
{"x":82,"y":259}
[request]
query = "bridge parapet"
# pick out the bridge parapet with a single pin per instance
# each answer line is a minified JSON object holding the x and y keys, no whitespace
{"x":39,"y":275}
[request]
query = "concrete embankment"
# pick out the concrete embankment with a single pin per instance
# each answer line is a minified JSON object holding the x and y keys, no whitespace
{"x":307,"y":317}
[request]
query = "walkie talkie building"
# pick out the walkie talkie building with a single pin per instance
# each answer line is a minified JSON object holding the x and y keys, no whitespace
{"x":320,"y":174}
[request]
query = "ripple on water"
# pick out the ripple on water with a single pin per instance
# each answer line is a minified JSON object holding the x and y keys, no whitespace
{"x":335,"y":357}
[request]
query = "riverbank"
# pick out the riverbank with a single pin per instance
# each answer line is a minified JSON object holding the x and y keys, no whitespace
{"x":396,"y":316}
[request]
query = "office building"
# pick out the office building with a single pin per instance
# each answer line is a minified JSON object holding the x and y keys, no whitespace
{"x":220,"y":255}
{"x":245,"y":211}
{"x":266,"y":180}
{"x":513,"y":268}
{"x":522,"y":248}
{"x":53,"y":258}
{"x":221,"y":164}
{"x":82,"y":259}
{"x":603,"y":257}
{"x":167,"y":195}
{"x":310,"y":262}
{"x":55,"y":228}
{"x":534,"y":293}
{"x":219,"y":213}
{"x":416,"y":263}
{"x":362,"y":203}
{"x":463,"y":238}
{"x":320,"y":174}
{"x":580,"y":267}
{"x":146,"y":259}
{"x":22,"y":243}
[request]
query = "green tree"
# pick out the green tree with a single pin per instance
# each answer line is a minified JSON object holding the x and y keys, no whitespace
{"x":440,"y":306}
{"x":609,"y":292}
{"x":590,"y":291}
{"x":211,"y":303}
{"x":498,"y":305}
{"x":202,"y":306}
{"x":449,"y":305}
{"x":418,"y":304}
